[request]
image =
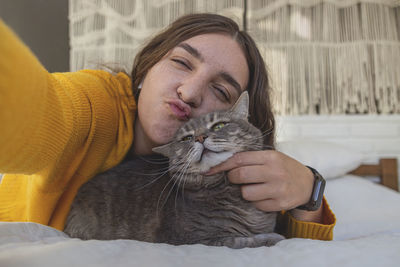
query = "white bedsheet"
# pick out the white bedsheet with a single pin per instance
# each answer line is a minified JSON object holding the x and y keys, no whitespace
{"x":378,"y":244}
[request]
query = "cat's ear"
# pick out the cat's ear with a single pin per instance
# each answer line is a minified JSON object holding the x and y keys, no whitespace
{"x":241,"y":107}
{"x":164,"y":150}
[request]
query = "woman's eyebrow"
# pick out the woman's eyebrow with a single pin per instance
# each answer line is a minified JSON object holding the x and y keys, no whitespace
{"x":191,"y":50}
{"x":224,"y":75}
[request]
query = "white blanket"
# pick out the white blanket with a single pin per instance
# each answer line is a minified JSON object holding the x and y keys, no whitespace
{"x":28,"y":244}
{"x":378,"y":244}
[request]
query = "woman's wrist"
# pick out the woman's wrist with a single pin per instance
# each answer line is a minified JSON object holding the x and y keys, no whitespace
{"x":306,"y":211}
{"x":317,"y":193}
{"x":308,"y":216}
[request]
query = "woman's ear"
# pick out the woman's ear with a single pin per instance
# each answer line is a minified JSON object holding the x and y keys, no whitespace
{"x":139,"y":88}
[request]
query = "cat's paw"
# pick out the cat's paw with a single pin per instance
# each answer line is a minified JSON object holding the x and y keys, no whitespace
{"x":259,"y":240}
{"x":269,"y":239}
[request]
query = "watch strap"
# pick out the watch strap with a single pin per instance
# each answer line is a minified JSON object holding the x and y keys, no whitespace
{"x":317,"y":193}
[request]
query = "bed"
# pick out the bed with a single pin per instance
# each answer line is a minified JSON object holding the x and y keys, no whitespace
{"x":367,"y":232}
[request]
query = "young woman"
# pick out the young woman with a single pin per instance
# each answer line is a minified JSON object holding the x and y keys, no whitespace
{"x":61,"y":129}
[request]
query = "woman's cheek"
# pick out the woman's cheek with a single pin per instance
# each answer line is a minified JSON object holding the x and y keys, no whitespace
{"x":164,"y":131}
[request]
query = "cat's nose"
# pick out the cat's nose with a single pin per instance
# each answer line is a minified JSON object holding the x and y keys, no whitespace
{"x":201,"y":138}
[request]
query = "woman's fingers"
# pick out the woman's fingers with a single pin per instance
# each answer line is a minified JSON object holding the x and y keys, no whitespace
{"x":248,"y":174}
{"x":270,"y":179}
{"x":241,"y":159}
{"x":257,"y":192}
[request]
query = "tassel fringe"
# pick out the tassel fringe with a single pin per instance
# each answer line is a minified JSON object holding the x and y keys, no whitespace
{"x":324,"y":56}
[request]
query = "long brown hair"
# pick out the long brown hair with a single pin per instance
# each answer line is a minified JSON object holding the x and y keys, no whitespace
{"x":188,"y":26}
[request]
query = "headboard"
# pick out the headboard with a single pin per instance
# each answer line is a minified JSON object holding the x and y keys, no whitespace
{"x":386,"y":170}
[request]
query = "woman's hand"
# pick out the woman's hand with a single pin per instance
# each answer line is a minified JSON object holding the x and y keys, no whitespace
{"x":272,"y":180}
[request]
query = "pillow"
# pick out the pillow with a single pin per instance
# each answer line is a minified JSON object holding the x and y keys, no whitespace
{"x":362,"y":208}
{"x":329,"y":159}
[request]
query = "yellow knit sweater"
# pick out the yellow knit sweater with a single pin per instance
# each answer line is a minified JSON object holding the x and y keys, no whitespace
{"x":58,"y":130}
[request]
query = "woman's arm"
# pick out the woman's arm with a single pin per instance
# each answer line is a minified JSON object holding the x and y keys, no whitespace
{"x":62,"y":127}
{"x":35,"y":126}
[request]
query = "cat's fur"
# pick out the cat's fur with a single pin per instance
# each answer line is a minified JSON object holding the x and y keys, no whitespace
{"x":147,"y":199}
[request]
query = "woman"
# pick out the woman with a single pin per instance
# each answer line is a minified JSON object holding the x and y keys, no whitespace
{"x":61,"y":129}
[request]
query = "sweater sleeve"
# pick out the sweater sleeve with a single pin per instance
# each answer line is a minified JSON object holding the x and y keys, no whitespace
{"x":292,"y":228}
{"x":47,"y":117}
{"x":57,"y":131}
{"x":27,"y":92}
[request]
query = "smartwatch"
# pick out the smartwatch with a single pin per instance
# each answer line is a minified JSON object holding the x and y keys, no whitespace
{"x":317,"y":193}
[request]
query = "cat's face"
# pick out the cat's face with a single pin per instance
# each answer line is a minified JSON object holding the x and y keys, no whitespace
{"x":208,"y":140}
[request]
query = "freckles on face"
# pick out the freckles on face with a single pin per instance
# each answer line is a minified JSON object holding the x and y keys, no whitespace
{"x":203,"y":74}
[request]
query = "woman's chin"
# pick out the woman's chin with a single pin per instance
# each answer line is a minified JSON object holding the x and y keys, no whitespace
{"x":164,"y":137}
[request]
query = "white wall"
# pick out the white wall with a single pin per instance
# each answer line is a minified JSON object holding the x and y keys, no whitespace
{"x":375,"y":135}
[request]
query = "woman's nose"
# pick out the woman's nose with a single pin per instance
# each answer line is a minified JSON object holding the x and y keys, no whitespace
{"x":191,"y":92}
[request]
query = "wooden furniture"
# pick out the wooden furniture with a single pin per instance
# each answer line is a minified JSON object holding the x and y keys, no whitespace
{"x":386,"y":170}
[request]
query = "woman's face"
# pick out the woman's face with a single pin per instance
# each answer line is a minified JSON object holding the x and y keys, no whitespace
{"x":202,"y":74}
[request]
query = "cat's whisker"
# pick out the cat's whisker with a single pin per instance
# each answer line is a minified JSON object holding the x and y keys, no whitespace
{"x":168,"y":168}
{"x":161,"y":174}
{"x":183,"y":174}
{"x":160,"y":160}
{"x":176,"y":180}
{"x":172,"y":167}
{"x":178,"y":177}
{"x":267,"y":147}
{"x":228,"y":146}
{"x":251,"y":143}
{"x":160,"y":196}
{"x":179,"y":162}
{"x":266,"y":133}
{"x":158,"y":172}
{"x":151,"y":182}
{"x":181,"y":179}
{"x":170,"y":180}
{"x":183,"y":191}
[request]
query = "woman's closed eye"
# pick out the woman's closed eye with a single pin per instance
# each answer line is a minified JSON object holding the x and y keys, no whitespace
{"x":221,"y":92}
{"x":182,"y":63}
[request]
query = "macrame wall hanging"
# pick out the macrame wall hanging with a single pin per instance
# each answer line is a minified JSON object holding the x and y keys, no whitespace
{"x":111,"y":32}
{"x":324,"y":56}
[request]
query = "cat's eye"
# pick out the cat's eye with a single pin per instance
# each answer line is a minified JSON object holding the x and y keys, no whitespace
{"x":187,"y":138}
{"x":218,"y":126}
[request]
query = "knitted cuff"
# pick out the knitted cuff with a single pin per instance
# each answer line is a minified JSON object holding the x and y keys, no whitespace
{"x":293,"y":228}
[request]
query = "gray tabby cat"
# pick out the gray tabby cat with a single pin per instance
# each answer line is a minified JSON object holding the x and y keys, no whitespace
{"x":178,"y":205}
